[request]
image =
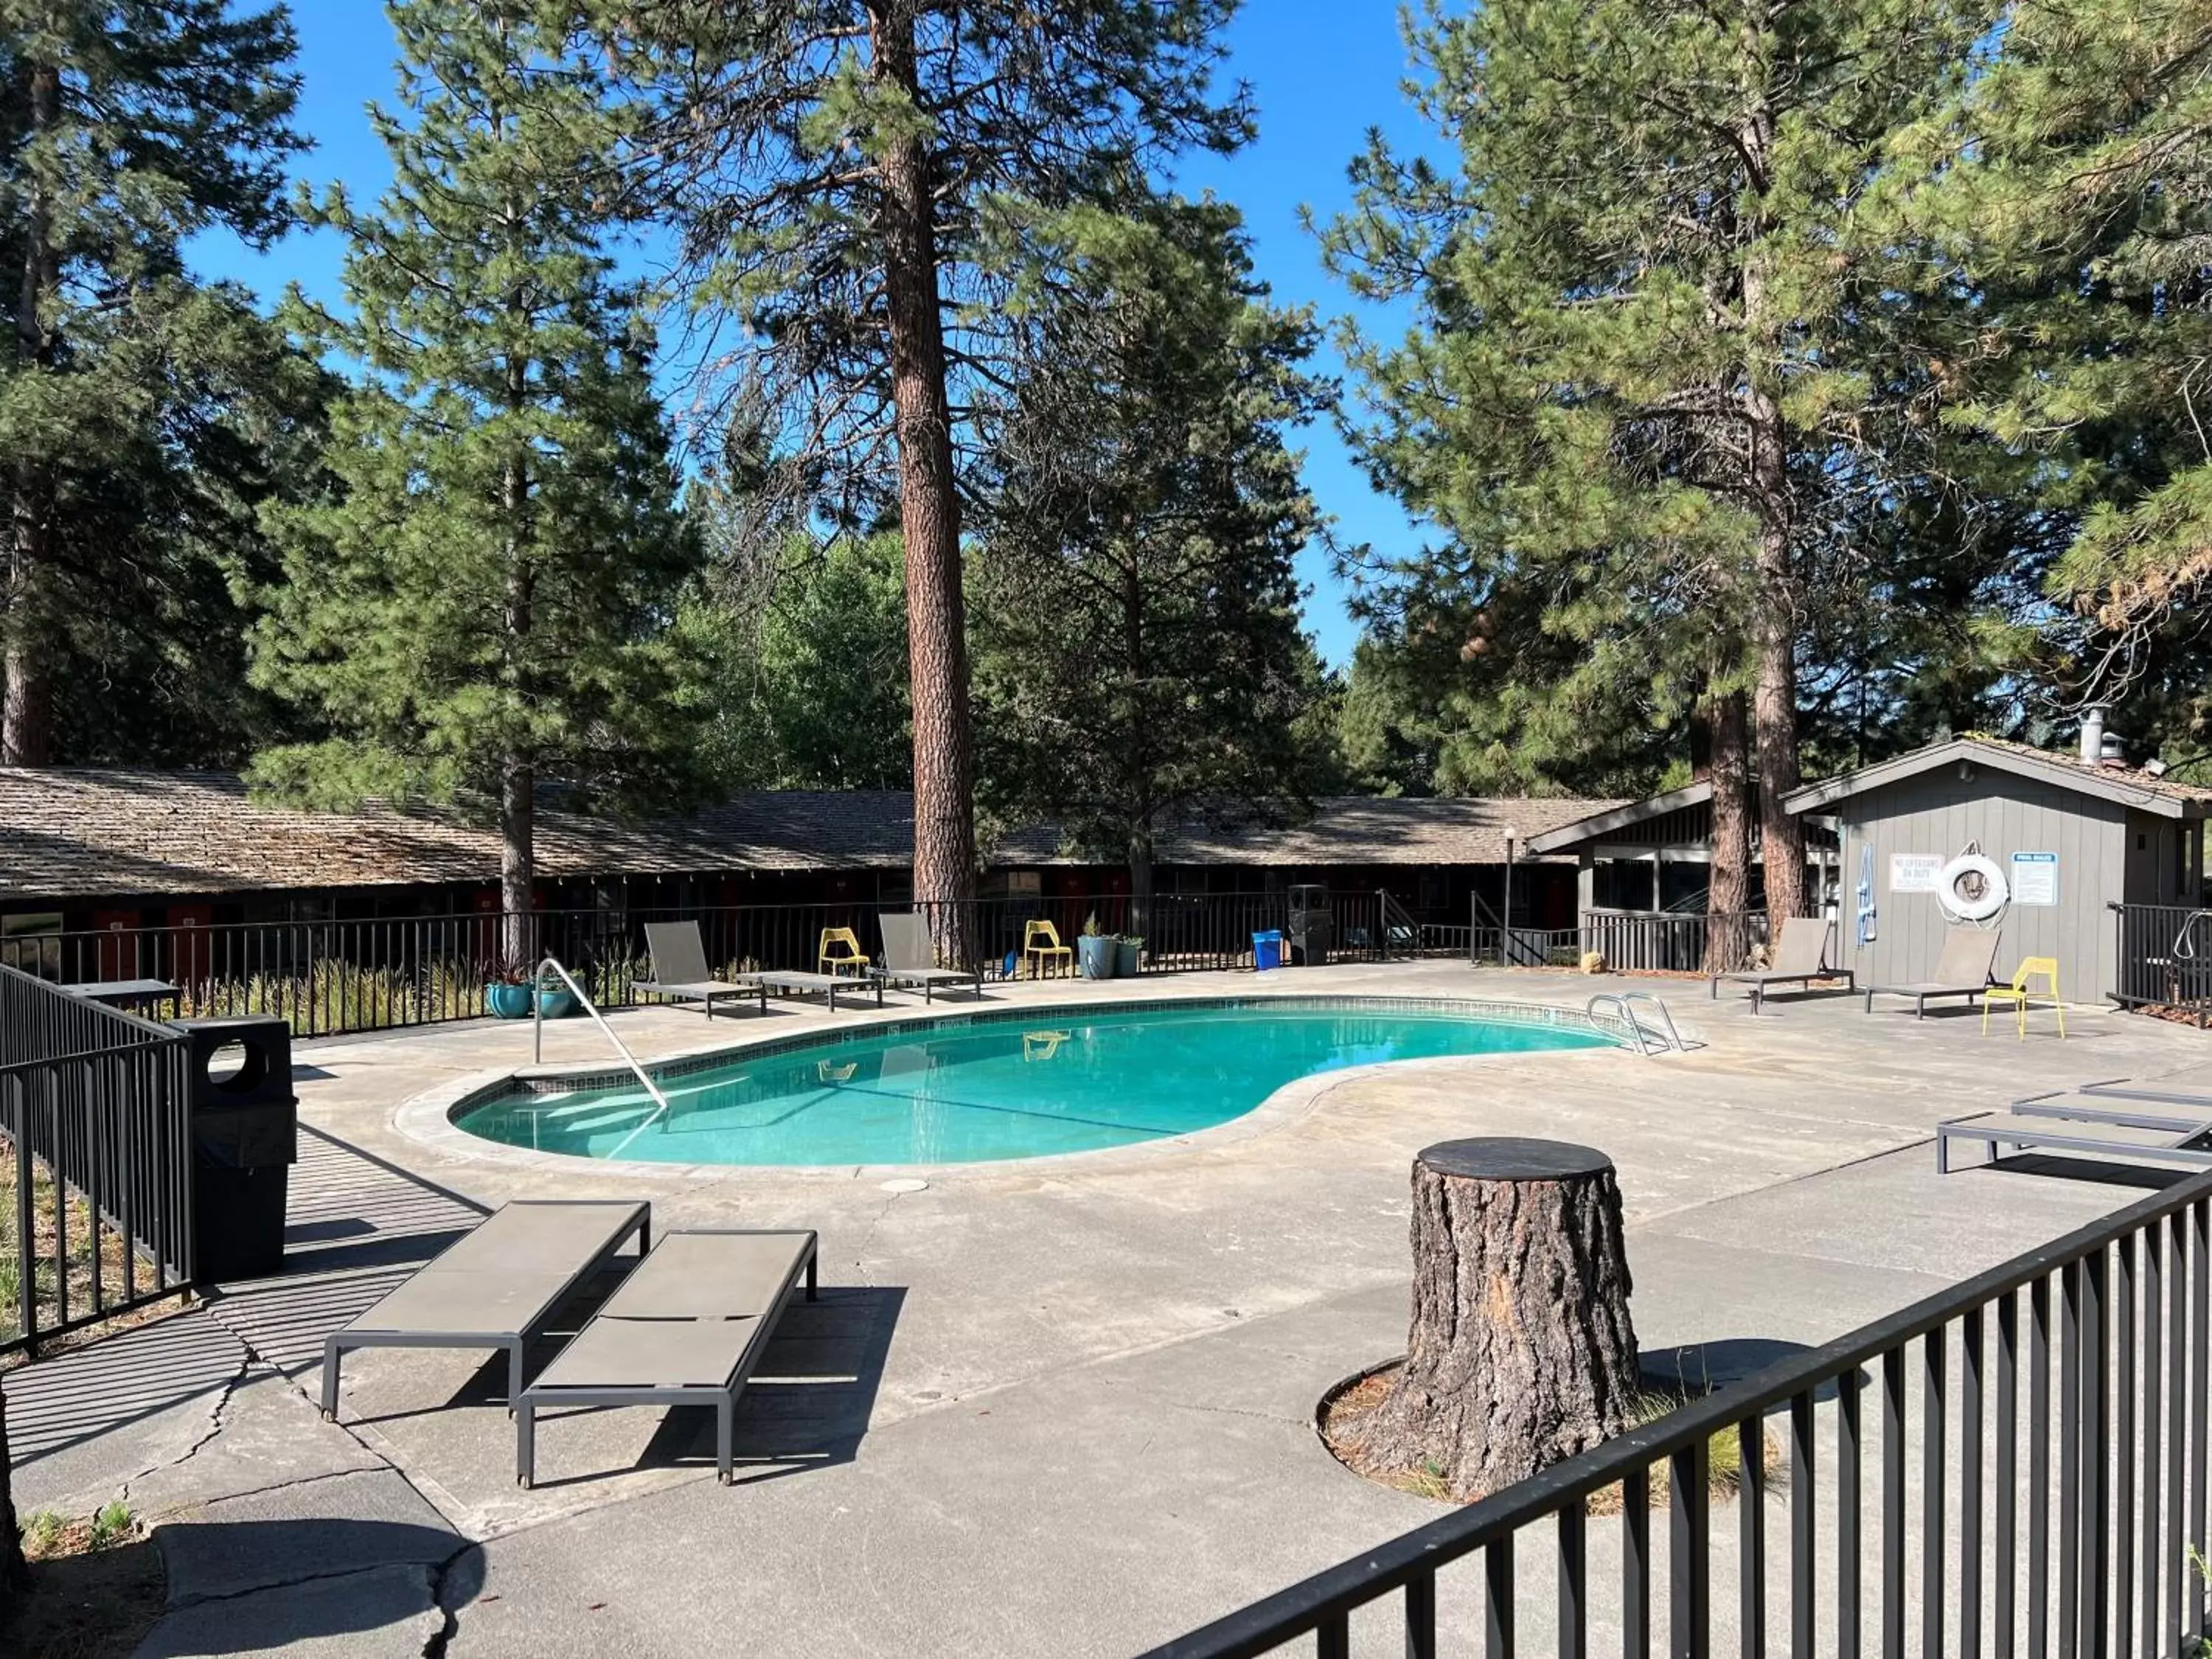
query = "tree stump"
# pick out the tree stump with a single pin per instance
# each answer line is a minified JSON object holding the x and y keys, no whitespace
{"x":1522,"y":1353}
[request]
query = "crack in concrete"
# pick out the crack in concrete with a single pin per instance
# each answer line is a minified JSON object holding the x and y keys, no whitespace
{"x":860,"y":1250}
{"x":423,"y":1567}
{"x":285,"y":1485}
{"x":218,"y":1420}
{"x":441,"y":1639}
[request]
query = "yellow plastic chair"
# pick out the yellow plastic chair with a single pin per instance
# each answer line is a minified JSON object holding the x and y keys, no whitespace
{"x":1039,"y":945}
{"x":840,"y":953}
{"x":1042,"y":1045}
{"x":2017,"y":994}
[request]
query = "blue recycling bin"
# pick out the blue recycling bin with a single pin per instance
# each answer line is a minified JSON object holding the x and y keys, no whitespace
{"x":1268,"y":950}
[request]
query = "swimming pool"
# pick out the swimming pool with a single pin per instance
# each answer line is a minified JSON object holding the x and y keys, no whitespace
{"x":1004,"y":1084}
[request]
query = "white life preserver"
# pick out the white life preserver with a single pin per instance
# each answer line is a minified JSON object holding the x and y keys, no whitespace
{"x":1972,"y":887}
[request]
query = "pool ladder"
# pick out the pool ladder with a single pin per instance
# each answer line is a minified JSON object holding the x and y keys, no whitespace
{"x":537,"y":1039}
{"x":1649,"y":1040}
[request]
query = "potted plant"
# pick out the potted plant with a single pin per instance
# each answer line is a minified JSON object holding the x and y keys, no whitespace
{"x":1094,"y":950}
{"x":555,"y":999}
{"x":508,"y":990}
{"x":1128,"y":956}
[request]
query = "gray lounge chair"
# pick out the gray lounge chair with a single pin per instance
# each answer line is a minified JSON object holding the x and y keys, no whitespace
{"x":687,"y":1328}
{"x":680,"y":971}
{"x":1998,"y":1131}
{"x":498,"y":1287}
{"x":909,"y":956}
{"x":2173,"y":1109}
{"x":1962,"y":969}
{"x":1801,"y":955}
{"x":822,"y":985}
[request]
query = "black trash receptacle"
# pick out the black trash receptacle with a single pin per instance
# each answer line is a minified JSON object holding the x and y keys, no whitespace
{"x":246,"y":1137}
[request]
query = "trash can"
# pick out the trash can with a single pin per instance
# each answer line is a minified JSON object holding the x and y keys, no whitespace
{"x":245,"y":1138}
{"x":1268,"y":950}
{"x":1312,"y":928}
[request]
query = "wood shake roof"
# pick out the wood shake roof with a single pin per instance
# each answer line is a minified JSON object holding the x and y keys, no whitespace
{"x":90,"y":833}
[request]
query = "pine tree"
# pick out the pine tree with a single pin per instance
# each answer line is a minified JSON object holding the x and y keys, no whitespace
{"x":1137,"y":601}
{"x":2080,"y":203}
{"x":127,"y":404}
{"x":809,"y":690}
{"x":855,"y":181}
{"x":484,"y":601}
{"x":1658,"y":358}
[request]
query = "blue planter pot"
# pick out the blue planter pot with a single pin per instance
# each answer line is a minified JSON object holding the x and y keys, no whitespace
{"x":508,"y":1001}
{"x":1094,"y":958}
{"x":1126,"y":965}
{"x":556,"y":1002}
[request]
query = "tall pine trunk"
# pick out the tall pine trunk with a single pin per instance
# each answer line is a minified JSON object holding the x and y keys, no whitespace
{"x":1727,"y":892}
{"x":929,"y":510}
{"x":15,"y":1572}
{"x":26,"y":674}
{"x":1140,"y":879}
{"x":518,"y":784}
{"x":1774,"y":721}
{"x":1774,"y":611}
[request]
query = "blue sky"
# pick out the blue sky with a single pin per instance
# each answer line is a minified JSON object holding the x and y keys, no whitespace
{"x":1322,"y":74}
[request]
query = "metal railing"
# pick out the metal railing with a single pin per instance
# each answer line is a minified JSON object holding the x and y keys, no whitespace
{"x":2164,"y":958}
{"x":2061,"y":1487}
{"x":1627,"y":1008}
{"x":96,"y":1186}
{"x":328,"y":977}
{"x":1666,"y":942}
{"x":1523,"y":947}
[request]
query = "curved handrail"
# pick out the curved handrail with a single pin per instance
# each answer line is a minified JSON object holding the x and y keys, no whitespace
{"x":538,"y":1041}
{"x":1626,"y":1015}
{"x":1675,"y":1037}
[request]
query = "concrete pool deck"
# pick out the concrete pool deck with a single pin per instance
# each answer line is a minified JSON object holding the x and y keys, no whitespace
{"x":1038,"y":1409}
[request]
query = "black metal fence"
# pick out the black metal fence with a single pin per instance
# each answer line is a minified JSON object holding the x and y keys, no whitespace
{"x":2164,"y":958}
{"x":331,"y":977}
{"x":2016,"y":1464}
{"x":95,"y":1136}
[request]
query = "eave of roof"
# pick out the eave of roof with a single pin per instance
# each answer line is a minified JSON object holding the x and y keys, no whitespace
{"x":2123,"y":786}
{"x":1620,"y":818}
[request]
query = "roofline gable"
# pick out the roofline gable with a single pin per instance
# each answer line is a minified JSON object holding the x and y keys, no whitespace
{"x":1620,"y":818}
{"x":2101,"y":784}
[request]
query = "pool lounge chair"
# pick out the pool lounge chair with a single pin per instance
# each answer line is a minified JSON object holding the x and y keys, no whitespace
{"x":1998,"y":1133}
{"x":687,"y":1328}
{"x":497,"y":1287}
{"x":798,"y":984}
{"x":2144,"y":1108}
{"x":1801,"y":957}
{"x":907,"y":957}
{"x":680,"y":972}
{"x":1962,"y":969}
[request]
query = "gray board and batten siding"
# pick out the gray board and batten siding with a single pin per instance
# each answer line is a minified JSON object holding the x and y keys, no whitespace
{"x":2106,"y":851}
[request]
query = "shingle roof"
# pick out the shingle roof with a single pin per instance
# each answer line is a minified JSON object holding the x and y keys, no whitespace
{"x":1351,"y":830}
{"x":2130,"y":785}
{"x":67,"y":834}
{"x":82,"y":834}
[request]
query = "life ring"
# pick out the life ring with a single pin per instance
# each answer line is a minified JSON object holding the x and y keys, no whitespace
{"x":1972,"y":887}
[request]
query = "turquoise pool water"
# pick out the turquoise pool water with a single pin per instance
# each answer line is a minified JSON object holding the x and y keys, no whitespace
{"x":957,"y":1091}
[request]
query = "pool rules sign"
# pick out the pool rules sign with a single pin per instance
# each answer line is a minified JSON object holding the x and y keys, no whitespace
{"x":2035,"y":878}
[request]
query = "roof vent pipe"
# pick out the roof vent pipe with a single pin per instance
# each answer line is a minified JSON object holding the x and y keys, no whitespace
{"x":2093,"y":734}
